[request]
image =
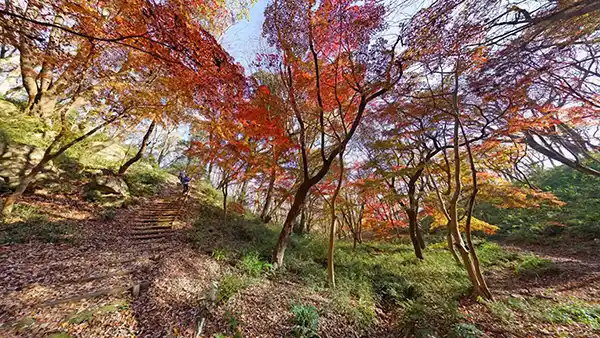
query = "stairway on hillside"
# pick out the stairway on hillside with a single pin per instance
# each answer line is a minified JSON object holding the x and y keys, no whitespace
{"x":147,"y":235}
{"x":154,"y":223}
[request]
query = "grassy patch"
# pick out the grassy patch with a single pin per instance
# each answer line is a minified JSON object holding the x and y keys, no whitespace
{"x":109,"y":214}
{"x":546,"y":311}
{"x":59,"y":335}
{"x":220,"y":255}
{"x":502,"y":311}
{"x":493,"y":255}
{"x":574,"y":312}
{"x":465,"y":330}
{"x":533,"y":266}
{"x":230,"y":285}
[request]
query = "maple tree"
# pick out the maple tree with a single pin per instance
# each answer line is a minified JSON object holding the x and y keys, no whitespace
{"x":329,"y":81}
{"x":113,"y":60}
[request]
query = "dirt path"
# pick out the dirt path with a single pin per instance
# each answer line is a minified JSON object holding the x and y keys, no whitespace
{"x":110,"y":282}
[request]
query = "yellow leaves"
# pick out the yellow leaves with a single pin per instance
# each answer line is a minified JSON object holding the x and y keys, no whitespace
{"x":439,"y":221}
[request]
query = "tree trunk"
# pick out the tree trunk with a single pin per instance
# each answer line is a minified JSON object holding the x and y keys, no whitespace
{"x":330,"y":251}
{"x":269,"y":197}
{"x":164,"y":150}
{"x":299,"y":227}
{"x":471,"y":204}
{"x":242,"y":197}
{"x":286,"y":231}
{"x":28,"y":74}
{"x":412,"y":228}
{"x":420,"y":237}
{"x":479,"y":287}
{"x":451,"y":246}
{"x":224,"y":189}
{"x":140,"y":152}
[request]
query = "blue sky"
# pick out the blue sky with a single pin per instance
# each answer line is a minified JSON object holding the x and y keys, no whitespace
{"x":242,"y":40}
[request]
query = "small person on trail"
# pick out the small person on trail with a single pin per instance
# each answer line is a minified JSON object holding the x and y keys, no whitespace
{"x":185,"y":181}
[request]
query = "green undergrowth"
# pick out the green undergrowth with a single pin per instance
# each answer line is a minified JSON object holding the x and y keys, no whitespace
{"x":548,"y":224}
{"x":306,"y":320}
{"x":423,"y":294}
{"x":27,"y":223}
{"x":571,"y":311}
{"x":533,"y":266}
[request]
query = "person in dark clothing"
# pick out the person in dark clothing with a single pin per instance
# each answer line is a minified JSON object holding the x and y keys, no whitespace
{"x":186,"y":183}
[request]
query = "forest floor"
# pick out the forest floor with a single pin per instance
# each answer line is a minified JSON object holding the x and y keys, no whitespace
{"x":137,"y":271}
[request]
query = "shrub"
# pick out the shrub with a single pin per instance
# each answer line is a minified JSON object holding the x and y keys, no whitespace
{"x":229,"y":286}
{"x":253,"y":265}
{"x":306,"y":320}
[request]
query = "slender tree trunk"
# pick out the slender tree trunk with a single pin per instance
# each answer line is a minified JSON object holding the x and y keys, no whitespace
{"x":140,"y":152}
{"x":299,"y":227}
{"x":420,"y":237}
{"x":471,"y":204}
{"x":49,"y":156}
{"x":269,"y":197}
{"x":224,"y":189}
{"x":209,"y":171}
{"x":479,"y":287}
{"x":330,"y":251}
